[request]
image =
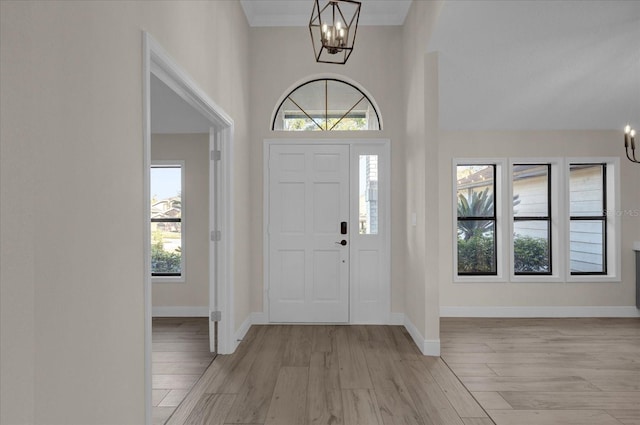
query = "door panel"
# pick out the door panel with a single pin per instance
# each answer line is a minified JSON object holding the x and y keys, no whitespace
{"x":308,"y":198}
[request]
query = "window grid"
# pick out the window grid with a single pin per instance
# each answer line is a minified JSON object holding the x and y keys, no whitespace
{"x":170,"y":220}
{"x":602,"y":218}
{"x":320,"y":119}
{"x":546,"y":219}
{"x":492,"y":218}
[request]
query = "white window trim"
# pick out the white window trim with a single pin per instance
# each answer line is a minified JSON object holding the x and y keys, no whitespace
{"x":183,"y":260}
{"x":501,"y":214}
{"x":560,"y":221}
{"x":614,"y":235}
{"x":557,"y":206}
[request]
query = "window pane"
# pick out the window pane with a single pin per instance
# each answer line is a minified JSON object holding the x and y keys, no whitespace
{"x":475,"y":190}
{"x":586,"y":246}
{"x":531,"y":247}
{"x":586,"y":190}
{"x":476,"y":247}
{"x":166,"y":203}
{"x":166,"y":247}
{"x":166,"y":187}
{"x":368,"y":194}
{"x":331,"y":104}
{"x":530,"y":190}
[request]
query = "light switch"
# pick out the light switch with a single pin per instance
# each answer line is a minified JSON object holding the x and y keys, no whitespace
{"x":414,"y":219}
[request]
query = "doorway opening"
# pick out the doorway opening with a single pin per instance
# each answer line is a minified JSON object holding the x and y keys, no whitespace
{"x":158,"y":66}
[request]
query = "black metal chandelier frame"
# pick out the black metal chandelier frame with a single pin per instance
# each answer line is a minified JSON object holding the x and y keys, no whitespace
{"x":332,"y":35}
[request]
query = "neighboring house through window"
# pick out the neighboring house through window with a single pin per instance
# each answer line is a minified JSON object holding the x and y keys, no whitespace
{"x":532,"y":241}
{"x":477,"y":219}
{"x":588,"y":219}
{"x":562,"y":220}
{"x":167,"y":227}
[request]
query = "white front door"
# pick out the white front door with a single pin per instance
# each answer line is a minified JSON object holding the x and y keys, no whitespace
{"x":308,"y":248}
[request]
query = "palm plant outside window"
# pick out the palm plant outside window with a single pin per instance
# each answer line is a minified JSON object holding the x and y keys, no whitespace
{"x":476,"y":216}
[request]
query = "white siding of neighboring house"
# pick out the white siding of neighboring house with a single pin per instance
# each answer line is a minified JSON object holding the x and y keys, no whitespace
{"x":533,"y":202}
{"x":586,"y":237}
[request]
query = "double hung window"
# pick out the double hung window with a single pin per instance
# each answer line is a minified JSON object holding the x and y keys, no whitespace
{"x":531,"y":185}
{"x":546,"y":219}
{"x":167,"y":232}
{"x":588,"y":219}
{"x":477,"y":219}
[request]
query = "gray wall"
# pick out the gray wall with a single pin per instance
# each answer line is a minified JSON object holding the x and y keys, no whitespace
{"x":72,"y":324}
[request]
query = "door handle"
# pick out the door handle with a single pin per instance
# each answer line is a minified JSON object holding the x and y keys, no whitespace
{"x":342,"y":242}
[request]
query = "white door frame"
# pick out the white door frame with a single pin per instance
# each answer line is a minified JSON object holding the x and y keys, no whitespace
{"x":386,"y":200}
{"x":156,"y":61}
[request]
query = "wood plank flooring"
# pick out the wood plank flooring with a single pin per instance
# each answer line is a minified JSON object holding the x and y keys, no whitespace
{"x":328,"y":375}
{"x":492,"y":371}
{"x":548,"y":371}
{"x":180,"y":355}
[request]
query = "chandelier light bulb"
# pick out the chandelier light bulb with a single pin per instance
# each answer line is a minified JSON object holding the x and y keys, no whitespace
{"x":632,"y":133}
{"x":627,"y":129}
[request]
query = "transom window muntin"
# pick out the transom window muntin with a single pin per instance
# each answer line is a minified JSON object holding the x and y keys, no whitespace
{"x":326,"y":104}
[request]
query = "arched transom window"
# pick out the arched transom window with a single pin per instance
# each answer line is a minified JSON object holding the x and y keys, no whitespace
{"x":326,"y":104}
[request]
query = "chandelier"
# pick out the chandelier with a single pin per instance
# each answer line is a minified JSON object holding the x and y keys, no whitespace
{"x":630,"y":139}
{"x":333,"y":28}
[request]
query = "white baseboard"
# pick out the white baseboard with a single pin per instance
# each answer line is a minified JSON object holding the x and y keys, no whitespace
{"x":428,"y":347}
{"x":546,"y":311}
{"x":241,"y":332}
{"x":179,"y":311}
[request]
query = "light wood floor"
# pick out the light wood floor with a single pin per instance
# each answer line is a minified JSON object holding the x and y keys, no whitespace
{"x":333,"y":375}
{"x":180,"y":357}
{"x":548,"y":371}
{"x":507,"y":372}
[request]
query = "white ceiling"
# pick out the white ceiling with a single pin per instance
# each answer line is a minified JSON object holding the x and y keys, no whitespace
{"x":538,"y":64}
{"x":503,"y":65}
{"x":296,"y":13}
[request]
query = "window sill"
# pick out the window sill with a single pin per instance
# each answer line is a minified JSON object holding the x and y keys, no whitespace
{"x":593,"y":279}
{"x":480,"y":279}
{"x":536,"y":279}
{"x":168,"y":279}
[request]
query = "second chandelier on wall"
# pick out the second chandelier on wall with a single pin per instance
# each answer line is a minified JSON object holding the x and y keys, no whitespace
{"x":333,"y":28}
